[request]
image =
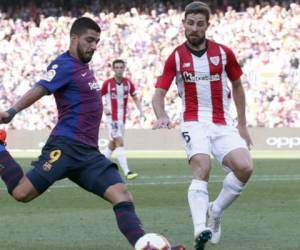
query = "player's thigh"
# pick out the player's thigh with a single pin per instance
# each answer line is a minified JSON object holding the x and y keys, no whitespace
{"x":52,"y":165}
{"x":228,"y":142}
{"x":97,"y":175}
{"x":195,"y":139}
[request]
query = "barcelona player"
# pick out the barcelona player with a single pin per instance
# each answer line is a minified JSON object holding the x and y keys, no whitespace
{"x":71,"y":150}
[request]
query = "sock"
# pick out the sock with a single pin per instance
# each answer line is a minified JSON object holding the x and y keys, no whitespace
{"x":10,"y":171}
{"x":107,"y":152}
{"x":232,"y":188}
{"x":121,"y":156}
{"x":198,"y":201}
{"x":128,"y":222}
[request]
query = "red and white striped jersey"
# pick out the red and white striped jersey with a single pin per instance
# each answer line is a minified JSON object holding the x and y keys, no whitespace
{"x":116,"y":95}
{"x":202,"y":81}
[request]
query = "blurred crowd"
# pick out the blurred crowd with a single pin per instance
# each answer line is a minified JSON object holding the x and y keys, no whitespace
{"x":265,"y":39}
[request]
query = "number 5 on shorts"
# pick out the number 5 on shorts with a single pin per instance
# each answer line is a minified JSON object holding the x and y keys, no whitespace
{"x":186,"y":136}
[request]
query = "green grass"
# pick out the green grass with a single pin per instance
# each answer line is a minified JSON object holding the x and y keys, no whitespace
{"x":266,"y":216}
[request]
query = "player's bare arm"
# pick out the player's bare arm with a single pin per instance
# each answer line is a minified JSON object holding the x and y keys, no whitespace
{"x":158,"y":103}
{"x":238,"y":94}
{"x":30,"y":97}
{"x":138,"y":105}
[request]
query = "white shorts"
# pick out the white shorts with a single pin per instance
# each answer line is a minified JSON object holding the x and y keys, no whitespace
{"x":115,"y":129}
{"x":209,"y":138}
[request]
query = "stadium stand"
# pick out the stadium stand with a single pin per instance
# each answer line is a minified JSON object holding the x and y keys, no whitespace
{"x":143,"y":33}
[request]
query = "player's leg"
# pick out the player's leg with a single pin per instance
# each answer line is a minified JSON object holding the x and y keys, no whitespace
{"x":122,"y":159}
{"x":112,"y":129}
{"x":197,"y":146}
{"x":24,"y":188}
{"x":198,"y":198}
{"x":101,"y":177}
{"x":109,"y":149}
{"x":12,"y":174}
{"x":231,"y":150}
{"x":239,"y":161}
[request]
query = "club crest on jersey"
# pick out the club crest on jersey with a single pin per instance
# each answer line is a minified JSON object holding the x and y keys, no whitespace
{"x":215,"y":60}
{"x":186,"y":65}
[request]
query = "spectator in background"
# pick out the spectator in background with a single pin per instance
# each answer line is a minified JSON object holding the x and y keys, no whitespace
{"x":263,"y":37}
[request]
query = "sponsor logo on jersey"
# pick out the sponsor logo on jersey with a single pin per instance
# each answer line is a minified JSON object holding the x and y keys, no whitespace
{"x":190,"y":77}
{"x":94,"y":86}
{"x":215,"y":60}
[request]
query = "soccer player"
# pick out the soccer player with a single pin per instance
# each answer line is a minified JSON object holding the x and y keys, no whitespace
{"x":72,"y":148}
{"x":116,"y":91}
{"x":202,"y":68}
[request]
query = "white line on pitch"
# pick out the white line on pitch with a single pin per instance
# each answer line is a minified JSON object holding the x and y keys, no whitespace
{"x":186,"y":180}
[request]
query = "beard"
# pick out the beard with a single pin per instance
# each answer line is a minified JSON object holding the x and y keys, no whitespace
{"x":195,"y":40}
{"x":84,"y":56}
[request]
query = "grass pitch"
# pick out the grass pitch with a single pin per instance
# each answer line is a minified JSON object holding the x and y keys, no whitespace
{"x":265,"y":217}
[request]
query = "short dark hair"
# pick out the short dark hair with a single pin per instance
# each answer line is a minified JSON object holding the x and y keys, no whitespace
{"x":82,"y":24}
{"x":197,"y":7}
{"x":118,"y":61}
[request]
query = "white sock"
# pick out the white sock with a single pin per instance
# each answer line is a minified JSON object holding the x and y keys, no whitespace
{"x":121,"y":156}
{"x":107,"y":152}
{"x":232,"y":188}
{"x":198,"y":201}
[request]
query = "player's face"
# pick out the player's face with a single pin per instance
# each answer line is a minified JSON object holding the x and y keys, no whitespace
{"x":119,"y":69}
{"x":87,"y":44}
{"x":195,"y":26}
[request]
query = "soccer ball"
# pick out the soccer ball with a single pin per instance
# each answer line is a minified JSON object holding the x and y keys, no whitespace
{"x":152,"y":241}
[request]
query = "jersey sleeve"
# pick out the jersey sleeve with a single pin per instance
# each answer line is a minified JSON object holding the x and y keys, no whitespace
{"x":132,"y":88}
{"x":104,"y":88}
{"x":165,"y":80}
{"x":233,"y":69}
{"x":57,"y":76}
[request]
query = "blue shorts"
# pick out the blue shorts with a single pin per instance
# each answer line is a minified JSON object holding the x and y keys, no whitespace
{"x":62,"y":157}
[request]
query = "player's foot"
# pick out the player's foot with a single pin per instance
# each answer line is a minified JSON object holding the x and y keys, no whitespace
{"x":214,"y":224}
{"x":2,"y":137}
{"x":179,"y":247}
{"x":202,"y":238}
{"x":131,"y":175}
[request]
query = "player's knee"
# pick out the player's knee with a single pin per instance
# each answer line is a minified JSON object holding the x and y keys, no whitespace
{"x":245,"y":168}
{"x":21,"y":195}
{"x":127,"y":195}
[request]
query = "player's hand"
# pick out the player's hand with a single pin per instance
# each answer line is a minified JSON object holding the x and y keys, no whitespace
{"x":143,"y":117}
{"x":243,"y":130}
{"x":5,"y":117}
{"x":107,"y":111}
{"x":162,"y":122}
